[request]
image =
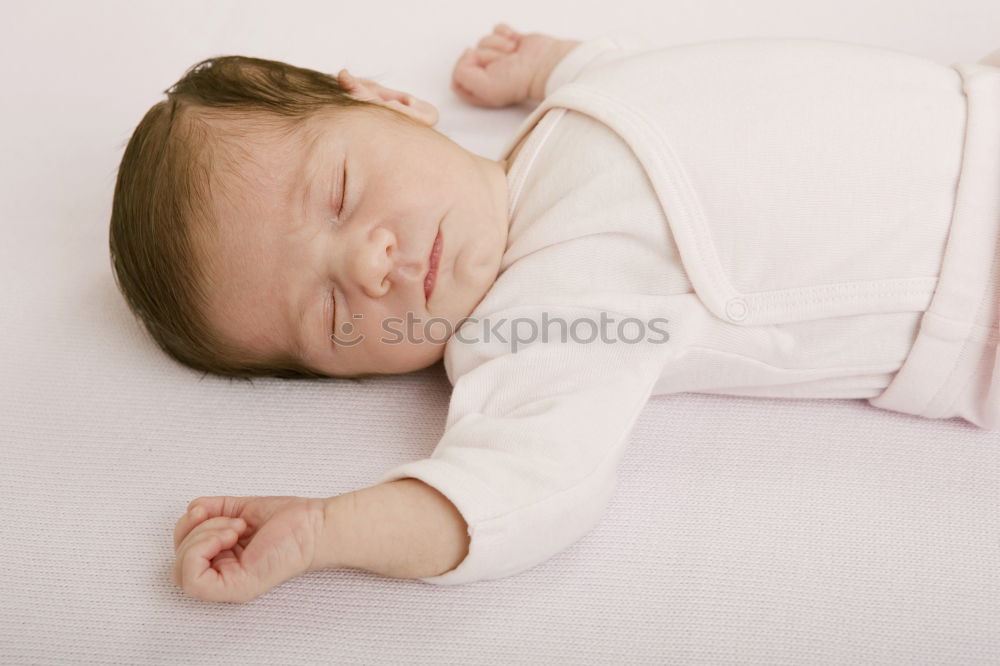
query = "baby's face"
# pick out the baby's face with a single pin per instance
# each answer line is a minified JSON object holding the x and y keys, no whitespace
{"x":335,"y":275}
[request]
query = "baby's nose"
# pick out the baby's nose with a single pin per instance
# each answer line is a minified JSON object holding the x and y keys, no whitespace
{"x":375,"y":261}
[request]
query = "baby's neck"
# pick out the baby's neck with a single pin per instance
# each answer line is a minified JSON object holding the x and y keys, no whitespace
{"x":495,"y":171}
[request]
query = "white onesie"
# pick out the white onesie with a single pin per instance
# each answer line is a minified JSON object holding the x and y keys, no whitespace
{"x":537,"y":424}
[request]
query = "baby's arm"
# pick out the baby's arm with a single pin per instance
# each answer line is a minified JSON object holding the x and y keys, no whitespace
{"x":401,"y":529}
{"x":507,"y":67}
{"x":234,"y":549}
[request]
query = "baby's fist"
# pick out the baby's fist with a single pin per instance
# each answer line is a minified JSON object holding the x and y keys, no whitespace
{"x":236,"y":548}
{"x":502,"y":69}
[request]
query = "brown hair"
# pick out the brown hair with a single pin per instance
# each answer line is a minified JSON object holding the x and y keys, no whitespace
{"x":161,"y":194}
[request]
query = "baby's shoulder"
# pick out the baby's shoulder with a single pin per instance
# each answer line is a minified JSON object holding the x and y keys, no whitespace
{"x":573,"y":141}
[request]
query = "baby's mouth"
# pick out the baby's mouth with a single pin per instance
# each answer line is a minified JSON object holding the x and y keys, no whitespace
{"x":432,"y":266}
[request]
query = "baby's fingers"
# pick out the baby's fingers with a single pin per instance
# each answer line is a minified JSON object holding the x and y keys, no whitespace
{"x":506,"y":31}
{"x":202,"y":508}
{"x":479,"y":57}
{"x":474,"y":85}
{"x":193,"y":570}
{"x":186,"y":523}
{"x":498,"y":43}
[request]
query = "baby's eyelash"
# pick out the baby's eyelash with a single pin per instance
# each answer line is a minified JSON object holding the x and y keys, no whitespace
{"x":343,"y":192}
{"x":333,"y":316}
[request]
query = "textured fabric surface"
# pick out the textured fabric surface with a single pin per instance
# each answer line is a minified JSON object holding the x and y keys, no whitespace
{"x":742,"y":530}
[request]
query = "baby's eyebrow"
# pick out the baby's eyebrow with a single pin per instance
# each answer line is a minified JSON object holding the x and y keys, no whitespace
{"x":304,"y":181}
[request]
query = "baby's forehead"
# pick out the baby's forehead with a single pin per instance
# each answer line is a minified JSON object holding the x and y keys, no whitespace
{"x":255,"y":172}
{"x":250,"y":161}
{"x":242,"y":140}
{"x":261,"y":140}
{"x":258,"y":158}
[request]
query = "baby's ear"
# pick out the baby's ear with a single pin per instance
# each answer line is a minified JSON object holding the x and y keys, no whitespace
{"x":369,"y":91}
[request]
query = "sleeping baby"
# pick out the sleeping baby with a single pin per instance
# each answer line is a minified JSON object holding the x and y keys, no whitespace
{"x":783,"y":218}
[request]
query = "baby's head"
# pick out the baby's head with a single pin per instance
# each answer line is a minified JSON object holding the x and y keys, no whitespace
{"x":274,"y":220}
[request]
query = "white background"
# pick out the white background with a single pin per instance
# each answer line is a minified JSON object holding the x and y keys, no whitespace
{"x":742,"y":531}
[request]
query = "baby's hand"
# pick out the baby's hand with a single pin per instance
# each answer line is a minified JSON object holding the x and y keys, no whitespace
{"x":236,"y":548}
{"x":503,"y":68}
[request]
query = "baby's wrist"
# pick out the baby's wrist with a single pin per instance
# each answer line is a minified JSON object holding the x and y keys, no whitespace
{"x":332,"y":540}
{"x":399,"y":529}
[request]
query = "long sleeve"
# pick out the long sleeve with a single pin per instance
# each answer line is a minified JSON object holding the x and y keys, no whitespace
{"x":593,"y":53}
{"x":584,"y":57}
{"x":532,"y":443}
{"x":535,"y":431}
